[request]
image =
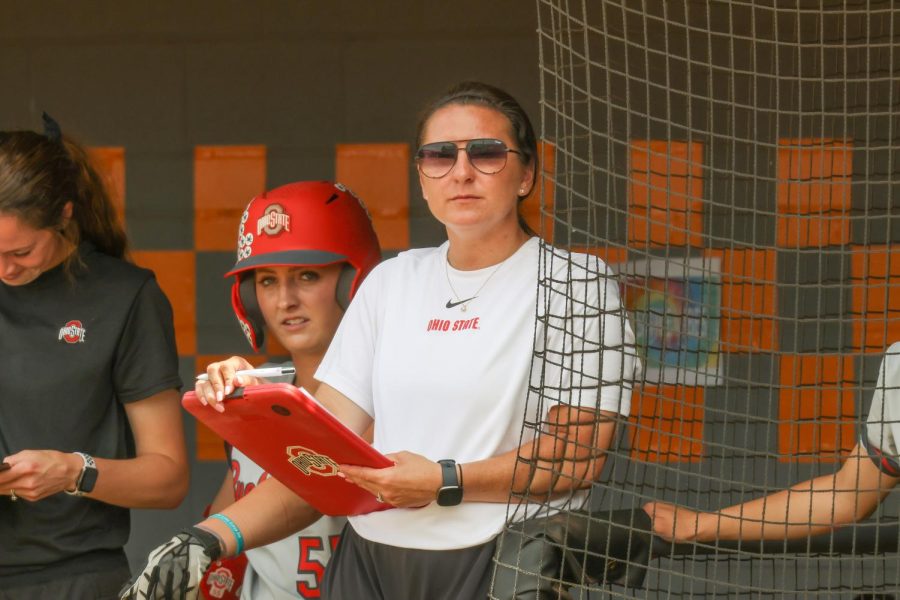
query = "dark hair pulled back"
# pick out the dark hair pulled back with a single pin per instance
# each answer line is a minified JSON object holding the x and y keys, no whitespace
{"x":39,"y":174}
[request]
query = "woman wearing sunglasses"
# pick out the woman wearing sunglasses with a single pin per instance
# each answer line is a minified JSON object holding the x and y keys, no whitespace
{"x":436,"y":350}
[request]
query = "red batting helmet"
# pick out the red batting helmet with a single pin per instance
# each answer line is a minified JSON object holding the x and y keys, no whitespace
{"x":310,"y":223}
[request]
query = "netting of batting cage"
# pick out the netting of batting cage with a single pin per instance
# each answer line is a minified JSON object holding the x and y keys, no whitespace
{"x":736,"y":165}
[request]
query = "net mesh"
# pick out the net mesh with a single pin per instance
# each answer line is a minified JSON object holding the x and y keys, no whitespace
{"x":736,"y":164}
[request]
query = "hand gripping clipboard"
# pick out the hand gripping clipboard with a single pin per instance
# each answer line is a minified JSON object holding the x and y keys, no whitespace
{"x":298,"y":441}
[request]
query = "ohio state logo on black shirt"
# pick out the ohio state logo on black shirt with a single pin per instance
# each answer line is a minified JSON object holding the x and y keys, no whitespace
{"x":72,"y":332}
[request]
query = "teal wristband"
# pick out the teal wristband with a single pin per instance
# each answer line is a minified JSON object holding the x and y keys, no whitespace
{"x":234,"y":529}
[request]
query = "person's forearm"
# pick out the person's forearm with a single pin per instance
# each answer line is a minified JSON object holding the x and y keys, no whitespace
{"x":786,"y":514}
{"x":492,"y":479}
{"x":158,"y":476}
{"x":489,"y":480}
{"x":569,"y":458}
{"x":148,"y":481}
{"x":267,"y":514}
{"x":225,"y":496}
{"x":808,"y":508}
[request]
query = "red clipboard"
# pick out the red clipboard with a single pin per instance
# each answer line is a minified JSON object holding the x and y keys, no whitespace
{"x":298,"y":441}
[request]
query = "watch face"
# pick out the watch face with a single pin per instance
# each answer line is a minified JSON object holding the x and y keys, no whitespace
{"x":88,"y":479}
{"x":449,"y":496}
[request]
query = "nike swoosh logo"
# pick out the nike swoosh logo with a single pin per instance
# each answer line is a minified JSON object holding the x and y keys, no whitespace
{"x":451,"y":304}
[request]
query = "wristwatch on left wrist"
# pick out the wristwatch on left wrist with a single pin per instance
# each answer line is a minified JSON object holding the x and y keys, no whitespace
{"x":88,"y":477}
{"x":451,"y":491}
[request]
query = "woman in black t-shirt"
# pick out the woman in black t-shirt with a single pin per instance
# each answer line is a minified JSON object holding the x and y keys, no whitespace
{"x":90,"y":421}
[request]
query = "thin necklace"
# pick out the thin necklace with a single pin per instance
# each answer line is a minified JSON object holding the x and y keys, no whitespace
{"x":463,"y":305}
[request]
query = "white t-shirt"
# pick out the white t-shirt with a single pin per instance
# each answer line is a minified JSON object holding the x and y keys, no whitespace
{"x":883,"y":422}
{"x":293,"y":567}
{"x":445,"y":382}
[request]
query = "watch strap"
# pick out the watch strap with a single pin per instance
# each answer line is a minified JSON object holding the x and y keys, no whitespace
{"x":87,"y":477}
{"x":451,"y":491}
{"x":449,"y":474}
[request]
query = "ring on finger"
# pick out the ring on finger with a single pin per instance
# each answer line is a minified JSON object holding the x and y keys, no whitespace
{"x":378,"y":497}
{"x":12,"y":495}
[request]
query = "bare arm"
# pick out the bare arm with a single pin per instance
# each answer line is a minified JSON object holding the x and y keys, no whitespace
{"x":808,"y":508}
{"x":568,"y":455}
{"x":348,"y":412}
{"x":267,"y":514}
{"x":225,"y":496}
{"x":156,"y":478}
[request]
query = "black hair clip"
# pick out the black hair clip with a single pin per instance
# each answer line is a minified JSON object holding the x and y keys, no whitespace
{"x":51,"y":128}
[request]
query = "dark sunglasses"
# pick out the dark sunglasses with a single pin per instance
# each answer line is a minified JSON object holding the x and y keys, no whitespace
{"x":487,"y":155}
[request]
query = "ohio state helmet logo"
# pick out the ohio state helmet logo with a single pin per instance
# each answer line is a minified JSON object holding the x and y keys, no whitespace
{"x":310,"y":462}
{"x":273,"y":220}
{"x":72,"y":332}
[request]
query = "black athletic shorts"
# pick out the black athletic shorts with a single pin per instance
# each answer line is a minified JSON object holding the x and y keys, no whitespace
{"x":364,"y":570}
{"x":84,"y":586}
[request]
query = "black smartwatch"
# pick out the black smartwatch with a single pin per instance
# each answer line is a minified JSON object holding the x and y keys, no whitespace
{"x":451,"y":490}
{"x":88,"y":478}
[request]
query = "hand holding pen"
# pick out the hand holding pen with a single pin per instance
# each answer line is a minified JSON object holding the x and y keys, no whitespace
{"x":221,"y":378}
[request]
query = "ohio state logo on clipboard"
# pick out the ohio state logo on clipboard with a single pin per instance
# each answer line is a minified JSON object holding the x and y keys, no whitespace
{"x":310,"y":462}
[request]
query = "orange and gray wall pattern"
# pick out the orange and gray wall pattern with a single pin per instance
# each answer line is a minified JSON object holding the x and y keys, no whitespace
{"x":192,"y":108}
{"x":815,"y":392}
{"x":806,"y":312}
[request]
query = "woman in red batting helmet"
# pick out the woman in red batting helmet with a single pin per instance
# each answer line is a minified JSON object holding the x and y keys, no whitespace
{"x":303,"y":249}
{"x":313,"y":223}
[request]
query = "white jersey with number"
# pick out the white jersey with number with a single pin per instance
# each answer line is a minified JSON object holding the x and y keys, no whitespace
{"x":446,"y":375}
{"x":293,"y":567}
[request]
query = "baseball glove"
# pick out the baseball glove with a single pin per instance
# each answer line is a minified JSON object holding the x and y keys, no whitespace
{"x":542,"y":557}
{"x":174,"y":570}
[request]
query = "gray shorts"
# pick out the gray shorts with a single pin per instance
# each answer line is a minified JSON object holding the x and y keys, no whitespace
{"x":364,"y":570}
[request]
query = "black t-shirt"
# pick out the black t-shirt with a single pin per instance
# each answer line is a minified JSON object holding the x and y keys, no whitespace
{"x":74,"y":348}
